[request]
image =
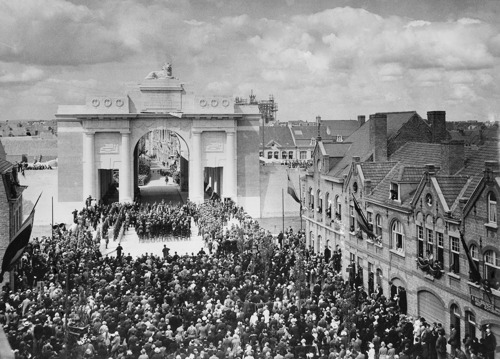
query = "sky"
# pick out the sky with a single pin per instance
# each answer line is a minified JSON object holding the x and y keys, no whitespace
{"x":334,"y":58}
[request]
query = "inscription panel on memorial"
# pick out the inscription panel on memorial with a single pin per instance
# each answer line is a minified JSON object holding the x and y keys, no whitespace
{"x":157,"y":100}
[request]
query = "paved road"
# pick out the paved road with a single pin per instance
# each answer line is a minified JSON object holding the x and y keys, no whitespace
{"x":157,"y":190}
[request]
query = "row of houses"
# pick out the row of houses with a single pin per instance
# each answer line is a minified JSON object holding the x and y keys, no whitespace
{"x":428,"y":208}
{"x":291,"y":141}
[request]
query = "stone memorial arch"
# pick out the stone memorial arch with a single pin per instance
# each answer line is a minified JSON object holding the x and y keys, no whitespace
{"x":99,"y":137}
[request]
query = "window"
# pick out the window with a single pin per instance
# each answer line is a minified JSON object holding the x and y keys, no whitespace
{"x":303,"y":155}
{"x":430,"y":242}
{"x":440,"y":249}
{"x":470,"y":324}
{"x":320,"y":202}
{"x":492,"y":268}
{"x":394,"y":192}
{"x":328,"y":205}
{"x":261,"y":154}
{"x":339,"y":138}
{"x":338,"y":208}
{"x":492,"y":208}
{"x":283,"y":155}
{"x":276,"y":154}
{"x":454,"y":255}
{"x":369,"y":217}
{"x":311,"y":198}
{"x":378,"y":225}
{"x":397,"y":236}
{"x":269,"y":155}
{"x":420,"y":237}
{"x":352,"y":219}
{"x":290,"y":155}
{"x":475,"y":255}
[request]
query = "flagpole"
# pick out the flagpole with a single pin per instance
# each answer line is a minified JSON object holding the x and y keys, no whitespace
{"x":283,"y":209}
{"x":300,"y":208}
{"x":52,"y":226}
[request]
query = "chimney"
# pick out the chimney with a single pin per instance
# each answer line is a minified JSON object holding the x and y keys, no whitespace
{"x":368,"y":186}
{"x":490,"y":170}
{"x":430,"y":168}
{"x":452,"y":156}
{"x":378,"y":136}
{"x":437,"y":120}
{"x":361,"y":120}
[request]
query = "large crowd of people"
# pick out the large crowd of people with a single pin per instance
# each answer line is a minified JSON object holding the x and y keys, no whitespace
{"x":249,"y":296}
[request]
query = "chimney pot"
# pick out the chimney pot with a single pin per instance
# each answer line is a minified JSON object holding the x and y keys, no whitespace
{"x":361,"y":120}
{"x":368,"y":185}
{"x":430,"y":168}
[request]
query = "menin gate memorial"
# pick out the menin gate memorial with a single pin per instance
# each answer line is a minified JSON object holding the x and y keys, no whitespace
{"x":219,"y":138}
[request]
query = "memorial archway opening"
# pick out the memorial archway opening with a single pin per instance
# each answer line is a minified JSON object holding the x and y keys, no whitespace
{"x":161,"y":167}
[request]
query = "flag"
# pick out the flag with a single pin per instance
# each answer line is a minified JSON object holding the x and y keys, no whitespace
{"x":362,"y":221}
{"x":291,"y":190}
{"x":16,"y":247}
{"x":475,"y":275}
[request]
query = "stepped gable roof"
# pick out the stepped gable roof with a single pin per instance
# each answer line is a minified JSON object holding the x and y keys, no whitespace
{"x":279,"y":134}
{"x":376,"y":171}
{"x":396,"y":120}
{"x":418,"y":154}
{"x":451,"y":187}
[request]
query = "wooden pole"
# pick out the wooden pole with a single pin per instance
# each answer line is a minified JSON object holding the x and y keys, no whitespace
{"x":283,"y":209}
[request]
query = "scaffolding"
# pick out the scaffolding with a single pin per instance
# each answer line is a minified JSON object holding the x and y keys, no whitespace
{"x":267,"y":108}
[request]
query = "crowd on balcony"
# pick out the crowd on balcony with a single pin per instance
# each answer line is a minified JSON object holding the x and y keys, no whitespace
{"x":255,"y":300}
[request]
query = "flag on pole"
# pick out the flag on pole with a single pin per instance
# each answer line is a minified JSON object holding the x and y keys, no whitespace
{"x":475,"y":275}
{"x":291,"y":190}
{"x":16,"y":247}
{"x":362,"y":221}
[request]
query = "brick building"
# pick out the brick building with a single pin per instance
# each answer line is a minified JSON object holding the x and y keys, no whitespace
{"x":419,"y":197}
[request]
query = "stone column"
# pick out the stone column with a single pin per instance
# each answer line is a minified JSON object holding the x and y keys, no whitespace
{"x":89,"y":173}
{"x":196,"y":185}
{"x":125,"y":185}
{"x":230,"y":167}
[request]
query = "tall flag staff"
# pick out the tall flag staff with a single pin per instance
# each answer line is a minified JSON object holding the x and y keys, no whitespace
{"x":291,"y":192}
{"x":16,"y":247}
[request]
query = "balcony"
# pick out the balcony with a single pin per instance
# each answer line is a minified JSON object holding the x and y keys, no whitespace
{"x":485,"y":298}
{"x":433,"y":270}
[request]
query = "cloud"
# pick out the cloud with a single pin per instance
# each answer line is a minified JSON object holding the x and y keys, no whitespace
{"x":56,"y":32}
{"x":28,"y":75}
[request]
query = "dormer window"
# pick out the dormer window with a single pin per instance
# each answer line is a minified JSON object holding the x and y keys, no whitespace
{"x":394,"y":192}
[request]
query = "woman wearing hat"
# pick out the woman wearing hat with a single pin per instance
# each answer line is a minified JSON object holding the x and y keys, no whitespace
{"x":382,"y":352}
{"x":391,"y":351}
